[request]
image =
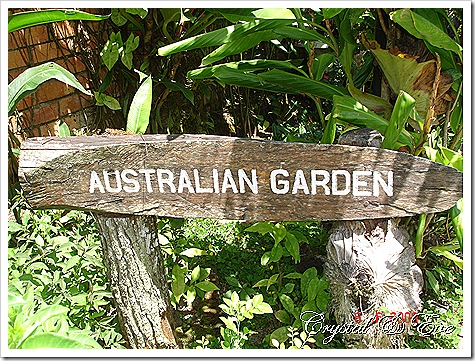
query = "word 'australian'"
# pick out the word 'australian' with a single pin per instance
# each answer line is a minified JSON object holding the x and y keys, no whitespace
{"x":315,"y":181}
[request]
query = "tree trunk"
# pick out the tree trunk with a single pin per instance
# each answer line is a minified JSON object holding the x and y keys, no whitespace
{"x":137,"y":280}
{"x":371,"y":267}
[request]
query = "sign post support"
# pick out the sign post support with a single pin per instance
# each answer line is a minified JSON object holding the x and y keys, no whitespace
{"x":137,"y":279}
{"x":371,"y":269}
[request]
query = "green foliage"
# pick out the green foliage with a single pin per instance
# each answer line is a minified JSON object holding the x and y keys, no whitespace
{"x":63,"y":129}
{"x":444,"y":299}
{"x":57,"y":283}
{"x":348,"y":110}
{"x":296,"y":75}
{"x":296,"y":340}
{"x":422,"y":28}
{"x":401,"y":111}
{"x":188,"y":278}
{"x":41,"y":326}
{"x":28,"y":81}
{"x":139,"y":112}
{"x":28,"y":19}
{"x":450,"y":158}
{"x":115,"y":48}
{"x":274,"y":80}
{"x":283,"y":288}
{"x":239,"y":310}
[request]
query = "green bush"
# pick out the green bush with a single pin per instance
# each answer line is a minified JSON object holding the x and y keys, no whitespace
{"x":56,"y":275}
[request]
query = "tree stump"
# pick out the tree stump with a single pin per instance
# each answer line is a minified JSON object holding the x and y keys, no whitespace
{"x":138,"y":280}
{"x":371,"y":267}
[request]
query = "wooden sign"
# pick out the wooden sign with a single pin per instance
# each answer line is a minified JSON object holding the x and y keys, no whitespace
{"x":201,"y":176}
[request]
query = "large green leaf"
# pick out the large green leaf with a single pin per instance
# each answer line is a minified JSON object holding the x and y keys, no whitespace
{"x":139,"y":112}
{"x":376,"y":104}
{"x":237,"y":38}
{"x":222,"y":36}
{"x":456,"y":215}
{"x":237,"y":46}
{"x":348,"y":110}
{"x":207,"y":286}
{"x":320,"y":64}
{"x":251,"y":38}
{"x":178,"y":284}
{"x":28,"y":81}
{"x":435,"y":16}
{"x":329,"y":13}
{"x":27,"y":19}
{"x":288,"y":303}
{"x":292,"y":245}
{"x":55,"y":340}
{"x":63,"y":129}
{"x":346,"y":59}
{"x":249,"y":14}
{"x":40,"y":317}
{"x":403,"y":107}
{"x":300,"y":34}
{"x":330,"y":131}
{"x":244,"y":65}
{"x":273,"y":13}
{"x":278,"y":81}
{"x":174,"y":85}
{"x":424,"y":29}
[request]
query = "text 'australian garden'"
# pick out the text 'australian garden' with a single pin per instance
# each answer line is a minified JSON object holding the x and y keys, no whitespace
{"x":279,"y":181}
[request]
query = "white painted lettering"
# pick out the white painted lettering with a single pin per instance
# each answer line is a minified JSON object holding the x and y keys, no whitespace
{"x":95,"y":182}
{"x":281,"y":182}
{"x":135,"y":184}
{"x":379,"y":181}
{"x":215,"y":181}
{"x":198,"y":185}
{"x":322,"y":183}
{"x":344,"y":191}
{"x":147,"y":173}
{"x":184,"y":181}
{"x":357,"y":183}
{"x":243,"y":178}
{"x":300,"y":183}
{"x":168,"y":181}
{"x":107,"y":182}
{"x":228,"y":182}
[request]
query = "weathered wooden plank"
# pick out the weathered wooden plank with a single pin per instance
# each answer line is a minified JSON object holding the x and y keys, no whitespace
{"x":231,"y":178}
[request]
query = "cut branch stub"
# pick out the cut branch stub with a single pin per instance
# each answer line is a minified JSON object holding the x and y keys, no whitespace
{"x":231,"y":178}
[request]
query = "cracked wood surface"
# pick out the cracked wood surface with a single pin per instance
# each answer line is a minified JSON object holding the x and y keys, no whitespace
{"x":56,"y":173}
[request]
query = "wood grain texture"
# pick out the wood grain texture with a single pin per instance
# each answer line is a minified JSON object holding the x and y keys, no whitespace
{"x":56,"y":173}
{"x":138,"y":280}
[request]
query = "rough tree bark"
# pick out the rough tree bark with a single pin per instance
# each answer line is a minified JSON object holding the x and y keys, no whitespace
{"x":371,"y":266}
{"x":137,"y":280}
